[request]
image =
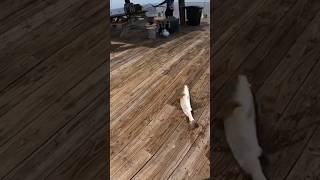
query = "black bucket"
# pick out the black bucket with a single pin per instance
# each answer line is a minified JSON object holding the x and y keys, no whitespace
{"x":194,"y":15}
{"x":173,"y":25}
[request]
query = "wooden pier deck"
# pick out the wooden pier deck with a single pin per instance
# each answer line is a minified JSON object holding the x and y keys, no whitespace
{"x":150,"y":136}
{"x":53,"y":84}
{"x":277,"y":44}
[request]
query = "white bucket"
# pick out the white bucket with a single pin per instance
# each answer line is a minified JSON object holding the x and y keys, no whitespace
{"x":152,"y":32}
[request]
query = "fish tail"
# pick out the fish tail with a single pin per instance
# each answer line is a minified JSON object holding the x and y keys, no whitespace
{"x":194,"y":124}
{"x":256,"y":170}
{"x":191,"y":119}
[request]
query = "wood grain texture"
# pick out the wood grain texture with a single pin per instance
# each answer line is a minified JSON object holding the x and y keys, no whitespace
{"x":54,"y":78}
{"x":281,"y":58}
{"x":150,"y":136}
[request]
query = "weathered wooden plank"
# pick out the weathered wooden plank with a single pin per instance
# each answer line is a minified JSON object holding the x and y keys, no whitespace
{"x":146,"y":64}
{"x":10,"y":7}
{"x":24,"y":112}
{"x":86,"y":162}
{"x":277,"y":92}
{"x":140,"y":49}
{"x":299,"y":113}
{"x":123,"y":165}
{"x":122,"y":98}
{"x":125,"y":146}
{"x":102,"y":175}
{"x":42,"y":42}
{"x":224,"y":7}
{"x":234,"y":23}
{"x":144,"y":85}
{"x":289,"y":134}
{"x":269,"y":53}
{"x":205,"y":171}
{"x":217,"y":4}
{"x":307,"y":166}
{"x":155,"y":145}
{"x":52,"y":66}
{"x":140,"y":115}
{"x":277,"y":50}
{"x":76,"y":131}
{"x":195,"y":160}
{"x":239,"y":47}
{"x":44,"y":72}
{"x":200,"y":101}
{"x":14,"y":12}
{"x":120,"y":62}
{"x":168,"y":157}
{"x":166,"y":71}
{"x":39,"y":102}
{"x":123,"y":57}
{"x":239,"y":11}
{"x":9,"y":37}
